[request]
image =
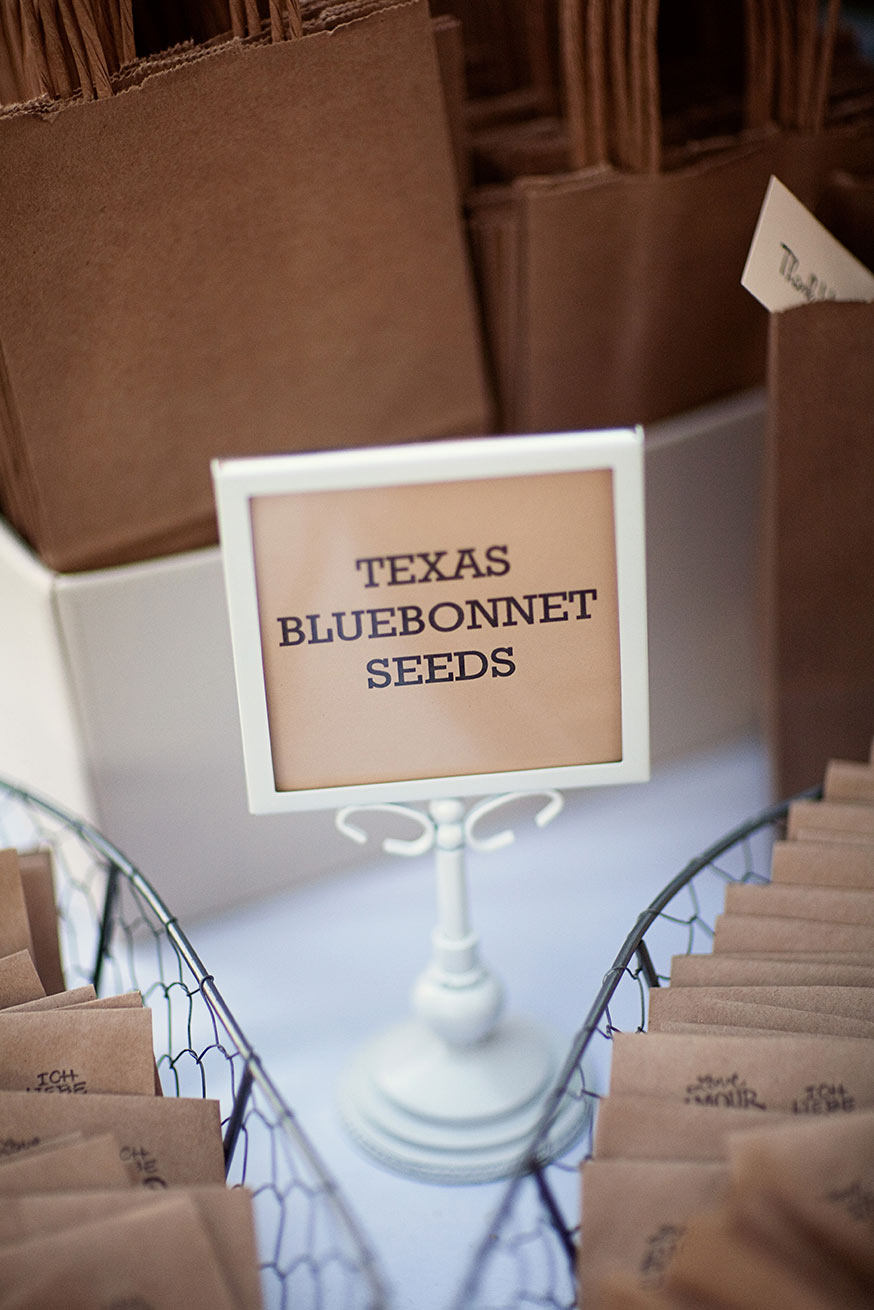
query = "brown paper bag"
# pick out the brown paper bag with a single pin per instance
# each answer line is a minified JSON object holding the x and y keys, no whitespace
{"x":818,"y":571}
{"x":609,"y":246}
{"x":251,"y":248}
{"x":167,"y":1139}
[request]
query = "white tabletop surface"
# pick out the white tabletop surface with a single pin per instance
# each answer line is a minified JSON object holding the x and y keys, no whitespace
{"x":313,"y":974}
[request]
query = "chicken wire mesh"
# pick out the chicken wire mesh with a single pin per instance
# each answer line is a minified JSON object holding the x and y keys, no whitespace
{"x":527,"y":1256}
{"x":116,"y":933}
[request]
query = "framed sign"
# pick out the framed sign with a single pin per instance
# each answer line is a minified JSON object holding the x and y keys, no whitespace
{"x":450,"y":618}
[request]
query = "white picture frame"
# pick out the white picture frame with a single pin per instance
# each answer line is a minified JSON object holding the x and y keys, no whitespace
{"x":240,"y":484}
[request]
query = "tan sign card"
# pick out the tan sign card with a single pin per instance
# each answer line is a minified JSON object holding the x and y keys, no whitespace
{"x":86,"y":1162}
{"x":449,"y":618}
{"x":167,"y":1139}
{"x":824,"y":864}
{"x":37,"y":880}
{"x":825,"y":904}
{"x":794,"y":260}
{"x":650,"y":1127}
{"x":745,"y":971}
{"x":439,"y":633}
{"x":634,"y":1213}
{"x":812,"y":1075}
{"x":160,"y":1257}
{"x":72,"y":1051}
{"x":846,"y":781}
{"x":225,"y":1212}
{"x":740,"y":933}
{"x":831,"y":821}
{"x":19,"y":980}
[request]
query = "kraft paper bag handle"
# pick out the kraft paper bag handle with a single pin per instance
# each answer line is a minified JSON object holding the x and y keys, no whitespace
{"x":64,"y":45}
{"x":58,"y":48}
{"x":284,"y":19}
{"x":45,"y":28}
{"x":610,"y":62}
{"x":609,"y":56}
{"x":34,"y":48}
{"x":582,"y":30}
{"x":789,"y":62}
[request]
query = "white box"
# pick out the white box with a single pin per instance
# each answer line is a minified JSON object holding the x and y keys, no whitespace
{"x":117,"y":692}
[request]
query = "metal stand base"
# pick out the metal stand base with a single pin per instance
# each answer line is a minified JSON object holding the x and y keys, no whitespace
{"x":443,"y":1113}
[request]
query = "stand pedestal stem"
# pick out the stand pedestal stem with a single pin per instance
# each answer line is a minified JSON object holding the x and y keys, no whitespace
{"x":454,"y":1094}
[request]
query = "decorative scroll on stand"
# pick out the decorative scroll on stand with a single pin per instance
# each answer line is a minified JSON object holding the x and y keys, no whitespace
{"x":453,"y":1093}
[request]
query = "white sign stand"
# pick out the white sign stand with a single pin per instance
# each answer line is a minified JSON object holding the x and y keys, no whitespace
{"x":422,"y":623}
{"x":453,"y":1093}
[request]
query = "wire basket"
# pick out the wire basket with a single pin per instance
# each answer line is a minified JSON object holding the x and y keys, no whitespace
{"x":117,"y":933}
{"x":527,"y":1256}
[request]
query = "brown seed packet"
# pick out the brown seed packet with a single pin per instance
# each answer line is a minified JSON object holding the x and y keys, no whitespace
{"x":634,"y":1213}
{"x":848,"y":782}
{"x":772,"y":934}
{"x":698,"y":1002}
{"x":160,"y":1257}
{"x":714,"y":1013}
{"x":19,"y":980}
{"x":60,"y":1000}
{"x":824,"y":904}
{"x":761,"y":971}
{"x":724,"y":1030}
{"x":833,"y":821}
{"x":716,"y":1261}
{"x":14,"y":924}
{"x":823,"y":864}
{"x":226,"y":1214}
{"x":621,"y":1292}
{"x":651,"y":1127}
{"x":810,"y":1183}
{"x":37,"y":880}
{"x":809,"y":1074}
{"x":84,"y":997}
{"x":73,"y":1051}
{"x":167,"y":1139}
{"x":80,"y":1163}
